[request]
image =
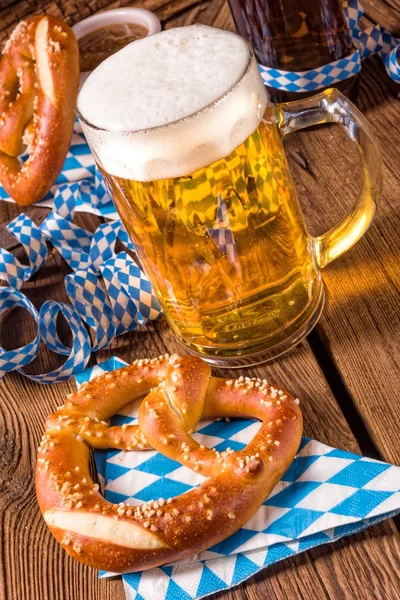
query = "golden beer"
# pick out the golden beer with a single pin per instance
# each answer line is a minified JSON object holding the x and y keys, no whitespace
{"x":225,"y":247}
{"x":199,"y":176}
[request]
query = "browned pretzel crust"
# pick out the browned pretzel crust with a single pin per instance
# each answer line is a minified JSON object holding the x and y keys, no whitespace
{"x":178,"y":393}
{"x":39,"y":78}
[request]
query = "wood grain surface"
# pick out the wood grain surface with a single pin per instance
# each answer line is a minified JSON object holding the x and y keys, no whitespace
{"x":347,"y":374}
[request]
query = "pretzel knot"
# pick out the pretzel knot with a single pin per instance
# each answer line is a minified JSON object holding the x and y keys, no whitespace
{"x":39,"y":78}
{"x":176,"y":393}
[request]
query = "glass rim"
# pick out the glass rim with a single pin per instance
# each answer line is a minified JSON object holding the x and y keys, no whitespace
{"x":194,"y":115}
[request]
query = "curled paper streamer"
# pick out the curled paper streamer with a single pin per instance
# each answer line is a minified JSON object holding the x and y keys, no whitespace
{"x":15,"y":359}
{"x":125,"y":299}
{"x":373,"y":40}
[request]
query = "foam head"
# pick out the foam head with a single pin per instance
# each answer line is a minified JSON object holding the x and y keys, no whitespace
{"x":169,"y":104}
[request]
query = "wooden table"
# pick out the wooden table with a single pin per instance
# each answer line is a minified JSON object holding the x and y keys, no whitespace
{"x":347,"y":372}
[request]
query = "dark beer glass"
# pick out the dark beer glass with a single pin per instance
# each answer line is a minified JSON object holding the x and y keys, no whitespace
{"x":295,"y":35}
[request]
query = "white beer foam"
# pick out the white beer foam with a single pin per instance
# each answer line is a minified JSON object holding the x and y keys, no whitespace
{"x":162,"y":78}
{"x":150,"y":111}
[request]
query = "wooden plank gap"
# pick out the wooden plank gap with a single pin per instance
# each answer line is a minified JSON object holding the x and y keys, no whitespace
{"x":342,"y":394}
{"x":182,"y":11}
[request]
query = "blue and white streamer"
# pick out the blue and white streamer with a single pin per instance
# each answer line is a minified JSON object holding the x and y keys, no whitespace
{"x":90,"y":302}
{"x":11,"y":360}
{"x":78,"y":354}
{"x":373,"y":40}
{"x":109,"y":293}
{"x":14,"y":360}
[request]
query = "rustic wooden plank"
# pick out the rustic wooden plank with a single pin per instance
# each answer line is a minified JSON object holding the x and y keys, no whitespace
{"x":385,"y":12}
{"x":361,"y":321}
{"x":215,"y":12}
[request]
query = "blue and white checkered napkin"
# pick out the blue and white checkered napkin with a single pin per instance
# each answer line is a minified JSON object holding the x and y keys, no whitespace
{"x":326,"y":494}
{"x":373,"y":40}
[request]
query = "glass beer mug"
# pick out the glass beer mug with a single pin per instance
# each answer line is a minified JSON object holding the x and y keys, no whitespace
{"x":190,"y":148}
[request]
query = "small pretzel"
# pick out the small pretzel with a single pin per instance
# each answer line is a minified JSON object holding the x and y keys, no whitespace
{"x":39,"y":78}
{"x":178,"y":392}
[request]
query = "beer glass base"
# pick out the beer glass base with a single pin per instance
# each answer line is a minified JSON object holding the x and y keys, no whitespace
{"x":264,"y":355}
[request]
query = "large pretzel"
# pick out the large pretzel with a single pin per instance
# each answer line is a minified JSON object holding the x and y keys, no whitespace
{"x":122,"y":538}
{"x":39,"y":78}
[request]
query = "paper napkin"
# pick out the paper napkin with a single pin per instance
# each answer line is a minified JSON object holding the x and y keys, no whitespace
{"x":325,"y":494}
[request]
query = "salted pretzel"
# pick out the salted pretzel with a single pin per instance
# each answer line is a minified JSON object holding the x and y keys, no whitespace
{"x":39,"y":78}
{"x":177,"y":392}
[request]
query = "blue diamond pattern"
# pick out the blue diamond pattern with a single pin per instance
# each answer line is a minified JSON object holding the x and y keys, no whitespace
{"x":229,"y":545}
{"x":117,"y":471}
{"x":335,"y":453}
{"x":277,"y":553}
{"x":361,"y":503}
{"x":298,"y":491}
{"x":233,"y":444}
{"x":359,"y":473}
{"x":294,"y":522}
{"x":208,"y":578}
{"x":176,"y":592}
{"x":242,"y":566}
{"x":225,"y":430}
{"x":159,"y":464}
{"x":297,"y":468}
{"x":115,"y":497}
{"x":309,"y":542}
{"x":100,"y":458}
{"x":313,"y":79}
{"x":168,"y":488}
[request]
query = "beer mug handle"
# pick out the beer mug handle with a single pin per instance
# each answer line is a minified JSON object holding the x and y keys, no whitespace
{"x":331,"y":106}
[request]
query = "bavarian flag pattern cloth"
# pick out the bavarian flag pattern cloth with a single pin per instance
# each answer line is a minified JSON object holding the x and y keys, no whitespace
{"x":325,"y":494}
